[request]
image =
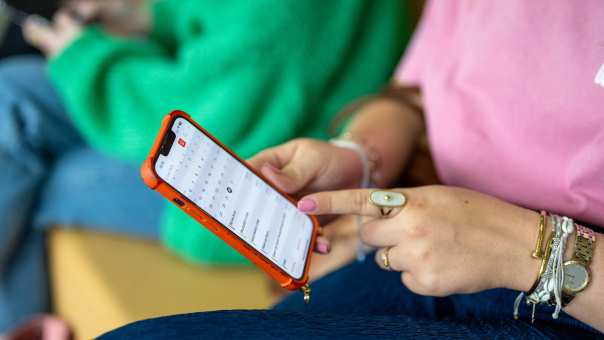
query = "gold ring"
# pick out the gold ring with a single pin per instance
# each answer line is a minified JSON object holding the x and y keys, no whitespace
{"x":386,"y":258}
{"x":387,"y":201}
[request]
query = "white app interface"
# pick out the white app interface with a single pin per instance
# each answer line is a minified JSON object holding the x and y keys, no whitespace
{"x":228,"y":191}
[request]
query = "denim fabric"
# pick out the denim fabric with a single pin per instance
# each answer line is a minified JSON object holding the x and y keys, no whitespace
{"x":48,"y":176}
{"x":362,"y":301}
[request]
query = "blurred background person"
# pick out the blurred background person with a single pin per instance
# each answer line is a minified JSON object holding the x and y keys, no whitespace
{"x":74,"y":130}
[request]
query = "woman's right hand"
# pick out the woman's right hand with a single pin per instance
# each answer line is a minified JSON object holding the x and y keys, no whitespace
{"x":305,"y":166}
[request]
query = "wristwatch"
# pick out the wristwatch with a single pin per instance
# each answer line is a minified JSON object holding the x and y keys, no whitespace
{"x":576,"y":270}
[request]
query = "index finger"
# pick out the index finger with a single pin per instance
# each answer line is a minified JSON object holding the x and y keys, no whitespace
{"x":356,"y":202}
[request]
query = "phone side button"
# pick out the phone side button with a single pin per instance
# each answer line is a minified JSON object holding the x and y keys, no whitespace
{"x":179,"y":202}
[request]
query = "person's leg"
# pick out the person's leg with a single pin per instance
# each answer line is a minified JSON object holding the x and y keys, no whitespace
{"x":32,"y":131}
{"x":305,"y":325}
{"x":364,"y":288}
{"x":45,"y":167}
{"x":360,"y":301}
{"x":89,"y":190}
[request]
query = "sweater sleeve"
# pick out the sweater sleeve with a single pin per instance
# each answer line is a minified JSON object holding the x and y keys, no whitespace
{"x":117,"y":90}
{"x":163,"y":14}
{"x":253,"y":73}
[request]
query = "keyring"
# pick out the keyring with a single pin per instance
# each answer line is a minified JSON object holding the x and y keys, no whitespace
{"x":387,"y":201}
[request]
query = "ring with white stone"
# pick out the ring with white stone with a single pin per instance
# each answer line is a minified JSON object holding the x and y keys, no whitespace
{"x":387,"y":201}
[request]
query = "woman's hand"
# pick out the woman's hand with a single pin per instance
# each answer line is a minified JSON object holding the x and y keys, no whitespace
{"x":52,"y":37}
{"x":304,"y":165}
{"x":445,"y":240}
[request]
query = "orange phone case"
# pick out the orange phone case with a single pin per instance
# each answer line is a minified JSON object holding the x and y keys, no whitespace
{"x":154,"y":182}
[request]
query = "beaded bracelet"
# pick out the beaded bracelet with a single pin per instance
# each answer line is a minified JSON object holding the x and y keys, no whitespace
{"x":368,"y":163}
{"x":548,"y":288}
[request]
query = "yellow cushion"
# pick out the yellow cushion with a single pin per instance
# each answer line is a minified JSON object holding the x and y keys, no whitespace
{"x":100,"y":282}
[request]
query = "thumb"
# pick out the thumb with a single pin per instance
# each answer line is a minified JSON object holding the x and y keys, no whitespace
{"x":291,"y":178}
{"x":289,"y":166}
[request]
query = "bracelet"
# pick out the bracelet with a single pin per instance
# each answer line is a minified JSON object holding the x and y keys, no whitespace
{"x":538,"y":252}
{"x":368,"y":165}
{"x":540,"y":274}
{"x":363,"y":156}
{"x":548,"y":288}
{"x":551,"y":284}
{"x":370,"y":158}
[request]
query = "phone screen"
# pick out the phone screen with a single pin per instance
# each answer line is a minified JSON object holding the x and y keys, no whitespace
{"x":231,"y":193}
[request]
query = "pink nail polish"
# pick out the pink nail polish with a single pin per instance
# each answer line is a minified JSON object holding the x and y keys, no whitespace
{"x":307,"y":205}
{"x":322,"y":248}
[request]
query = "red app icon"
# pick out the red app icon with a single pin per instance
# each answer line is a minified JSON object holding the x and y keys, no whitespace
{"x":182,"y":142}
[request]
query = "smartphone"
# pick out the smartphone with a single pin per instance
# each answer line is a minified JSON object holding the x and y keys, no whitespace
{"x":191,"y":168}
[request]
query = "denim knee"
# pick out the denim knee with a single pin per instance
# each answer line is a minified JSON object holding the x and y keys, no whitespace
{"x":32,"y":116}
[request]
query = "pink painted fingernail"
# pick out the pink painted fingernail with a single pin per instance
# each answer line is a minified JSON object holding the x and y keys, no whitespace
{"x":323,"y":248}
{"x":307,"y":205}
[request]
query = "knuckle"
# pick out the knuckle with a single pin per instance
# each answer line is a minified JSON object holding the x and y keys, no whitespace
{"x":431,"y":283}
{"x":421,"y":254}
{"x":359,"y":201}
{"x":413,"y":285}
{"x":405,"y":279}
{"x":327,"y":203}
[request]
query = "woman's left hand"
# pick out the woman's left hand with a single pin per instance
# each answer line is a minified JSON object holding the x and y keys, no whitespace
{"x":445,"y":240}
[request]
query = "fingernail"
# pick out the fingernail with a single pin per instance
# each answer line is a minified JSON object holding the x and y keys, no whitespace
{"x":307,"y":205}
{"x":323,"y":248}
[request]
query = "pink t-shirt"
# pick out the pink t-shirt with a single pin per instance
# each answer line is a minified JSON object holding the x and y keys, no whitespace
{"x":513,"y":108}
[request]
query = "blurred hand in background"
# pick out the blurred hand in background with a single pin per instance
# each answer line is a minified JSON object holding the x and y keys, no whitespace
{"x":120,"y":17}
{"x":52,"y":37}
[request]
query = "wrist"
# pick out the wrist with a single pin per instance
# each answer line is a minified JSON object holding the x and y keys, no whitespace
{"x":367,"y":159}
{"x":391,"y":133}
{"x":520,"y":268}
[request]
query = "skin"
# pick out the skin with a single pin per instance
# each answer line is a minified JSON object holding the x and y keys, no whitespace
{"x":445,"y":240}
{"x":120,"y":17}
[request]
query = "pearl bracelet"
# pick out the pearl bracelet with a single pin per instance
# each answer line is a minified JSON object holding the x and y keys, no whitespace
{"x":551,"y":275}
{"x":368,"y":162}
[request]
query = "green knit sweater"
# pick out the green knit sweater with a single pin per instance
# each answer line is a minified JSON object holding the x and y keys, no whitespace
{"x":254,"y":73}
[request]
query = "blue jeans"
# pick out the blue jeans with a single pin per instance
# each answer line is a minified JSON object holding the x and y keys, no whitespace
{"x":49,"y":176}
{"x":362,"y":301}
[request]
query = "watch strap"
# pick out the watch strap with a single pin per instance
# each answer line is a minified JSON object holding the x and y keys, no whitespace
{"x":584,"y":244}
